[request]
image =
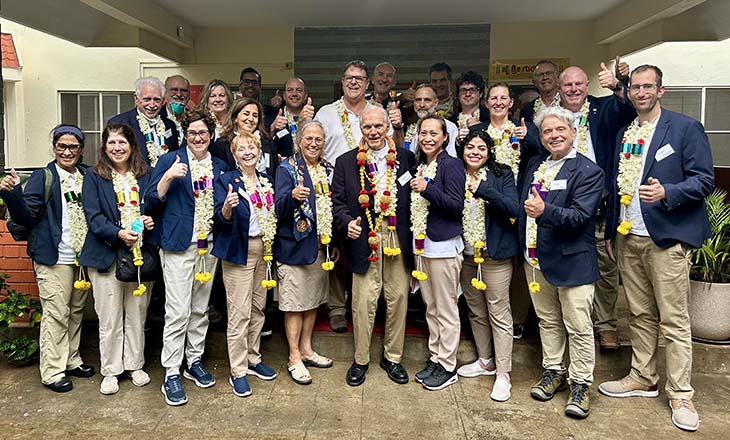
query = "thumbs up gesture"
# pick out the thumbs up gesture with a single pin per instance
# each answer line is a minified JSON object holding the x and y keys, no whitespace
{"x":276,"y":99}
{"x":410,"y":94}
{"x":521,"y":130}
{"x":606,"y":78}
{"x":534,"y":206}
{"x":230,"y":203}
{"x":308,"y":111}
{"x":177,"y":170}
{"x":394,"y":115}
{"x":621,"y":70}
{"x":279,"y":123}
{"x":9,"y":182}
{"x":354,"y":229}
{"x":300,"y":192}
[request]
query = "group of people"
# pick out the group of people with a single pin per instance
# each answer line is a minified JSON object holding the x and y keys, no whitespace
{"x":417,"y":189}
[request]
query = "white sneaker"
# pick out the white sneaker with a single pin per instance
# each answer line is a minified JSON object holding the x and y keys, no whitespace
{"x":109,"y":385}
{"x":502,"y":387}
{"x":139,"y":378}
{"x":478,"y":368}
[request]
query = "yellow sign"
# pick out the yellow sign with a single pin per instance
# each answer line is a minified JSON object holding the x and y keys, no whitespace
{"x":519,"y":69}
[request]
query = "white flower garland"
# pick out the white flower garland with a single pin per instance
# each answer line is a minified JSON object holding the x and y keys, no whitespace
{"x":410,"y":133}
{"x":154,"y":151}
{"x":464,"y":117}
{"x":633,"y":145}
{"x":202,"y":174}
{"x":261,"y":194}
{"x":582,"y":146}
{"x":323,"y":207}
{"x":126,"y":190}
{"x":445,"y":109}
{"x":474,"y":230}
{"x":506,"y":149}
{"x":539,"y":104}
{"x":77,"y":221}
{"x":346,"y":127}
{"x":419,"y":218}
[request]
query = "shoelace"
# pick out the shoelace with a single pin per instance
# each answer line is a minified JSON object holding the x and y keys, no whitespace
{"x":578,"y":393}
{"x":683,"y":403}
{"x":173,"y":384}
{"x":197,"y":369}
{"x":548,"y":377}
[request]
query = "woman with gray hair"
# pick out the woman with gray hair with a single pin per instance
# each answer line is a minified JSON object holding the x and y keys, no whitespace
{"x":302,"y":246}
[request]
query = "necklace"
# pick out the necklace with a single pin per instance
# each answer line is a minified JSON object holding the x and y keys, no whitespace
{"x":154,"y":138}
{"x":474,"y":229}
{"x":506,"y":145}
{"x":629,"y":166}
{"x":346,"y":127}
{"x":126,"y":191}
{"x":539,"y":104}
{"x":419,"y":218}
{"x":201,"y":173}
{"x":582,"y":146}
{"x":72,"y":194}
{"x":323,"y":208}
{"x":261,"y":194}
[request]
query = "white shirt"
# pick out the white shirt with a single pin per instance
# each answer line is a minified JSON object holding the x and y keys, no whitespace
{"x":66,"y":255}
{"x":382,"y":165}
{"x":590,"y":153}
{"x":442,"y":249}
{"x":254,"y":230}
{"x":633,"y":211}
{"x":203,"y":161}
{"x":453,"y":131}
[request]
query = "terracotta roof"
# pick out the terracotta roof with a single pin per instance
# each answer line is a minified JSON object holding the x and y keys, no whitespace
{"x":9,"y":54}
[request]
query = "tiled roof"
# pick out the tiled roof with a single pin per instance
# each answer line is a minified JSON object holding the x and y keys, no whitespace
{"x":10,"y":55}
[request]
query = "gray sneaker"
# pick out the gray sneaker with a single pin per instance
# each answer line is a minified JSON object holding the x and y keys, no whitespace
{"x":578,"y":405}
{"x":684,"y":414}
{"x":550,"y":383}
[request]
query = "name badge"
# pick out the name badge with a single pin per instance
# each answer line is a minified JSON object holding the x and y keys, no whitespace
{"x":281,"y":133}
{"x":663,"y":152}
{"x":267,"y":160}
{"x":559,"y":184}
{"x":168,"y":133}
{"x":405,"y":178}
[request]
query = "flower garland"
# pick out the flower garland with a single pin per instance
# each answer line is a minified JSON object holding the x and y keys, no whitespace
{"x":261,"y":194}
{"x":629,"y":166}
{"x":202,"y":176}
{"x":291,"y":122}
{"x":506,"y":145}
{"x":408,"y":137}
{"x":323,"y":207}
{"x":474,"y":230}
{"x":346,"y":127}
{"x":127,"y":195}
{"x":153,"y":151}
{"x":541,"y":181}
{"x":538,"y":105}
{"x":582,"y":136}
{"x":464,"y":117}
{"x":77,"y":221}
{"x":218,"y":125}
{"x":387,"y":197}
{"x":445,"y":109}
{"x":419,"y":217}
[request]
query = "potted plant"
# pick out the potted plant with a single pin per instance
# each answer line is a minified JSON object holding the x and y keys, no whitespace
{"x":709,"y":305}
{"x":20,"y":349}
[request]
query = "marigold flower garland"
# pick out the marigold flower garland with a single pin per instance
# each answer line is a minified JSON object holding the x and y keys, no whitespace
{"x":202,"y":176}
{"x":153,"y":150}
{"x":126,"y":191}
{"x":387,"y":198}
{"x":261,"y":194}
{"x":77,"y":221}
{"x":541,"y":181}
{"x":445,"y":109}
{"x":474,"y":229}
{"x":629,"y":167}
{"x":323,"y":207}
{"x":419,"y":217}
{"x":506,"y":145}
{"x":346,"y":127}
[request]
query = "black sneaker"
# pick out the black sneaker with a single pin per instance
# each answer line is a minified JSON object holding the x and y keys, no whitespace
{"x":550,"y":383}
{"x":518,"y":331}
{"x":578,"y":405}
{"x":423,"y":374}
{"x":440,"y":379}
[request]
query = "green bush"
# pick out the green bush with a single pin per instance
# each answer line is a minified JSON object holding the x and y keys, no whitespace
{"x":711,"y":262}
{"x":15,"y":305}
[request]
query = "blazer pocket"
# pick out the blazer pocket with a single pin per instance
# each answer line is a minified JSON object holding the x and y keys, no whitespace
{"x":574,"y":248}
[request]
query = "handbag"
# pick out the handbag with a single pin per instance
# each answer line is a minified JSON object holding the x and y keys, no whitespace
{"x":149,"y":271}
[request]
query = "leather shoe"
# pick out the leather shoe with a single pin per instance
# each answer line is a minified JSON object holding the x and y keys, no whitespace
{"x":82,"y":370}
{"x":338,"y":323}
{"x":608,"y":340}
{"x":356,"y":374}
{"x":62,"y":385}
{"x":396,"y":372}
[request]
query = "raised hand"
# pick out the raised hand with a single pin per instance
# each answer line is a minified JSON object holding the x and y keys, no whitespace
{"x":279,"y":123}
{"x":308,"y":111}
{"x":521,"y":130}
{"x":410,"y":93}
{"x":9,"y":182}
{"x":177,"y":170}
{"x":394,"y":115}
{"x":534,"y":207}
{"x":621,"y":69}
{"x":276,"y":99}
{"x":606,"y":78}
{"x":354,"y":228}
{"x":300,"y":192}
{"x":474,"y":120}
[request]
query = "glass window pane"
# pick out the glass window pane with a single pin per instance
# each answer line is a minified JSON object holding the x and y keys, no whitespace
{"x":126,"y":102}
{"x":89,"y":109}
{"x":720,"y":143}
{"x":91,"y":147}
{"x":687,"y":101}
{"x":69,"y":111}
{"x":717,"y":109}
{"x":109,"y":107}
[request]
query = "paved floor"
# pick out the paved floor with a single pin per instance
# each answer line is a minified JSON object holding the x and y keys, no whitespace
{"x":330,"y":409}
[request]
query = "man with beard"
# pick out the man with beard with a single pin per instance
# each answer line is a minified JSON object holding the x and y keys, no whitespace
{"x":177,"y":95}
{"x":424,"y":104}
{"x":297,"y":107}
{"x":545,"y":80}
{"x":440,"y":76}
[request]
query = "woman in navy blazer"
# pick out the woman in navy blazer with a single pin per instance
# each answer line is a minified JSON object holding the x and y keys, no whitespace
{"x":115,"y":215}
{"x":44,"y":209}
{"x":298,"y":247}
{"x":490,"y":241}
{"x":439,"y":197}
{"x":246,"y":222}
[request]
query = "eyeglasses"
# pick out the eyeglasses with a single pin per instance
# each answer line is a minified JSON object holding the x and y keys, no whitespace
{"x":646,"y":87}
{"x":147,"y":99}
{"x":544,"y":74}
{"x":468,"y":90}
{"x":249,"y":82}
{"x":193,"y":134}
{"x":312,"y":139}
{"x":72,"y":148}
{"x":349,"y":78}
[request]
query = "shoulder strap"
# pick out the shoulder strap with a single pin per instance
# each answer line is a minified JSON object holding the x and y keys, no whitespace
{"x":47,"y":184}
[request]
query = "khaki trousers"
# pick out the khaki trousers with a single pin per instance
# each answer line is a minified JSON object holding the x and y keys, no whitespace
{"x":186,"y":307}
{"x":604,"y":301}
{"x":63,"y":309}
{"x":562,"y":309}
{"x":246,"y":303}
{"x":388,"y":274}
{"x":337,"y":296}
{"x":121,"y":322}
{"x":657,"y":291}
{"x":489,"y":311}
{"x":442,"y":311}
{"x":519,"y":298}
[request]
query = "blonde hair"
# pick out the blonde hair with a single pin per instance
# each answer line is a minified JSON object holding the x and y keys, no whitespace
{"x":245,"y":137}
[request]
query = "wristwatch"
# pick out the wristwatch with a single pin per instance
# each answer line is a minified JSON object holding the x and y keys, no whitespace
{"x":619,"y":86}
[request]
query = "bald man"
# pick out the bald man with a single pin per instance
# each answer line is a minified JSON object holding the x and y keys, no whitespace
{"x":282,"y":122}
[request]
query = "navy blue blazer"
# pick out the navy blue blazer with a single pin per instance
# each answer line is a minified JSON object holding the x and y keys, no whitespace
{"x":345,"y":191}
{"x":446,"y":194}
{"x":687,"y":176}
{"x":566,"y":247}
{"x":231,"y":243}
{"x":104,"y":220}
{"x":130,"y":118}
{"x":221,"y":149}
{"x":174,"y":213}
{"x":28,"y":207}
{"x":500,"y":193}
{"x":287,"y":249}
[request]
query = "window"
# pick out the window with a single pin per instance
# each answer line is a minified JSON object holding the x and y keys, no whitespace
{"x":711,"y":106}
{"x":91,"y":111}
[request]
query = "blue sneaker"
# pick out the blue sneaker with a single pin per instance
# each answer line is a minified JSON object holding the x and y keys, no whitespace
{"x":173,"y":391}
{"x":240,"y":386}
{"x":199,"y":375}
{"x":262,"y":371}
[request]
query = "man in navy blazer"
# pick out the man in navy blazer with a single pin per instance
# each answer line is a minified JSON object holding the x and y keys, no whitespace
{"x":560,"y":197}
{"x":604,"y":117}
{"x":367,"y":258}
{"x":297,"y":106}
{"x":545,"y":80}
{"x":153,"y":141}
{"x":660,"y":216}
